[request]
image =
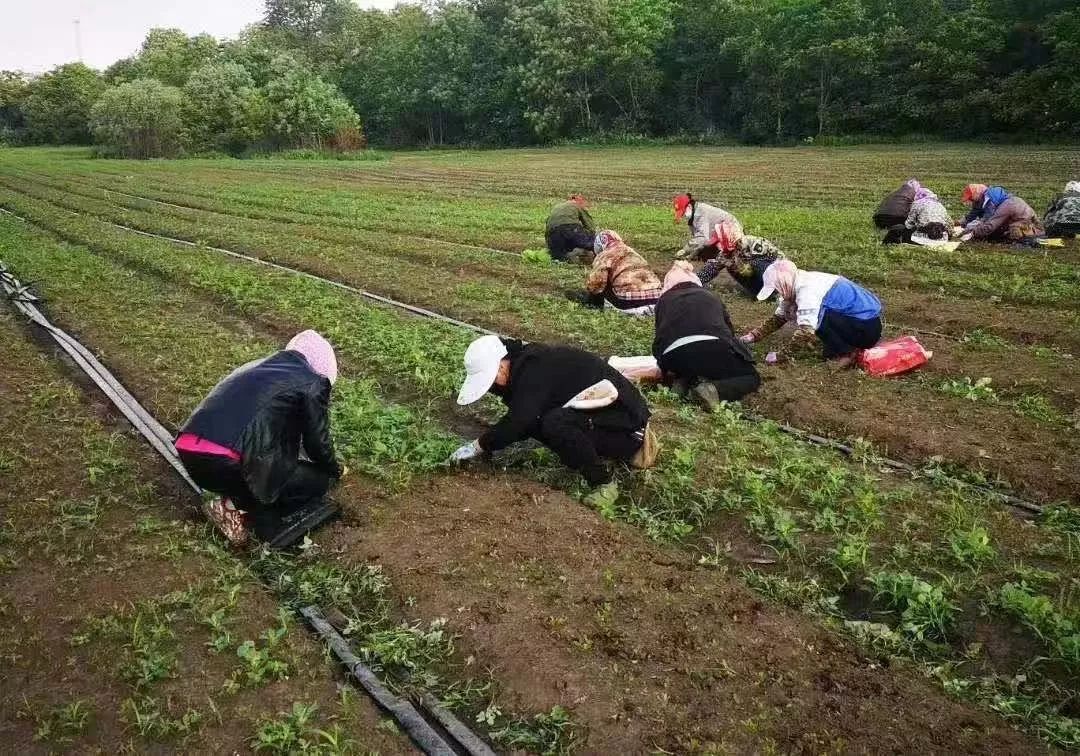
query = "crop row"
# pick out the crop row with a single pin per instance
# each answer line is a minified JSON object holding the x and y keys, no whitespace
{"x":501,"y":304}
{"x":818,"y":513}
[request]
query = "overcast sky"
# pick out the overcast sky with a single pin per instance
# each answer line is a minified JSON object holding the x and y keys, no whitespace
{"x":36,"y":35}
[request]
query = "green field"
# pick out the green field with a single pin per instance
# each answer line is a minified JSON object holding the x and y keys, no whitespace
{"x":753,"y":592}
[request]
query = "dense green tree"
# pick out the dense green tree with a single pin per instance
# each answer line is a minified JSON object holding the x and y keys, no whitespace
{"x":139,"y":119}
{"x":224,"y":109}
{"x":303,"y":110}
{"x":57,"y":107}
{"x":14,"y":89}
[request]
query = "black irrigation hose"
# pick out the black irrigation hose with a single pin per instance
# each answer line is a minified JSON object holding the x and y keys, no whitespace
{"x":404,"y":712}
{"x":1010,"y":500}
{"x":149,"y":428}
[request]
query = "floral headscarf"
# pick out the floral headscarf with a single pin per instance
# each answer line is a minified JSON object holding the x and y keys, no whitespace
{"x":923,"y":193}
{"x":605,"y":240}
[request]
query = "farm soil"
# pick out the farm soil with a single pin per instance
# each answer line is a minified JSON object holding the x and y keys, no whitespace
{"x":649,"y":649}
{"x":55,"y":581}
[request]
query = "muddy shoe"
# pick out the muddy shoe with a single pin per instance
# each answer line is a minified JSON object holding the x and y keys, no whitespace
{"x":705,"y":396}
{"x":602,"y":498}
{"x":295,"y":525}
{"x":843,"y":362}
{"x":232,"y":522}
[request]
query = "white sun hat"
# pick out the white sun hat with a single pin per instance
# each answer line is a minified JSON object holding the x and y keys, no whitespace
{"x":481,"y":367}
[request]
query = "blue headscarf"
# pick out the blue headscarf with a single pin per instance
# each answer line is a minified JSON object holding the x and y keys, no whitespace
{"x":994,"y":196}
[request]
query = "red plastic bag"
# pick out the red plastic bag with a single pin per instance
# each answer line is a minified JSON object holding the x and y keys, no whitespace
{"x":894,"y":357}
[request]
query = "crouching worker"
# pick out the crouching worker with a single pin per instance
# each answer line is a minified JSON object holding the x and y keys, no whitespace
{"x":999,"y":216}
{"x":695,"y":344}
{"x":570,"y":231}
{"x":244,"y":442}
{"x":619,"y":278}
{"x":567,"y":399}
{"x":702,"y":220}
{"x":1063,"y":217}
{"x":844,"y":317}
{"x":928,"y":217}
{"x":744,"y":257}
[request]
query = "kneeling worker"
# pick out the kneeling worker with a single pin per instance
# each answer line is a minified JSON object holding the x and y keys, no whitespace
{"x":828,"y":308}
{"x":695,"y":344}
{"x":620,"y":278}
{"x":243,"y":442}
{"x":567,"y":399}
{"x":570,"y":231}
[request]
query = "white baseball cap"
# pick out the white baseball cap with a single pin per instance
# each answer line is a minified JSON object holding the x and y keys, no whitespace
{"x":481,"y":367}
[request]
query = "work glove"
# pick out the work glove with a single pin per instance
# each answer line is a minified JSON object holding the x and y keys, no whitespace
{"x":967,"y":237}
{"x":464,"y":453}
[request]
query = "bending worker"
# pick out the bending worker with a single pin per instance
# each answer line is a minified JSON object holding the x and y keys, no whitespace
{"x":567,"y":399}
{"x":844,"y":317}
{"x":744,"y":257}
{"x":1063,"y":217}
{"x":570,"y":231}
{"x":244,"y":441}
{"x":702,"y":220}
{"x":997,"y":215}
{"x":695,"y":344}
{"x":619,"y":277}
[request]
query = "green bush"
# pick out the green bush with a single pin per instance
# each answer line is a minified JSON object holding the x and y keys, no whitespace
{"x":140,"y":119}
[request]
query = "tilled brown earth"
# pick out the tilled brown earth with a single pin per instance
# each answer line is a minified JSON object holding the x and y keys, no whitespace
{"x":650,"y":650}
{"x":91,"y":531}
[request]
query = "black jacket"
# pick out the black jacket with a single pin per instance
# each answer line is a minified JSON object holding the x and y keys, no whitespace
{"x":894,"y":209}
{"x":543,"y":378}
{"x":265,"y":411}
{"x":690,"y":310}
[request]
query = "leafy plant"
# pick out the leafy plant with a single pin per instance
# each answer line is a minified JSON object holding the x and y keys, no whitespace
{"x":553,"y":732}
{"x":63,"y":723}
{"x":974,"y":391}
{"x":925,"y":612}
{"x":971,"y":547}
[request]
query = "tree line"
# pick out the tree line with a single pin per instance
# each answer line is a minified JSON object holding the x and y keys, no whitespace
{"x":536,"y":71}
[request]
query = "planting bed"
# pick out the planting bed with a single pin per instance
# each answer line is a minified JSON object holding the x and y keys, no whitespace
{"x":646,"y":643}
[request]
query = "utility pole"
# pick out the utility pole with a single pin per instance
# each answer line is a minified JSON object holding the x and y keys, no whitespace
{"x":78,"y":41}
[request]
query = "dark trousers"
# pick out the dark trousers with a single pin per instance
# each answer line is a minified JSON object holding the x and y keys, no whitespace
{"x":225,"y":476}
{"x":562,"y":240}
{"x":582,"y":440}
{"x":897,"y":234}
{"x":753,"y":282}
{"x":713,"y":361}
{"x":843,"y":334}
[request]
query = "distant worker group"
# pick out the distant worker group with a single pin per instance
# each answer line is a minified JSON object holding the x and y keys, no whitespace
{"x":260,"y":442}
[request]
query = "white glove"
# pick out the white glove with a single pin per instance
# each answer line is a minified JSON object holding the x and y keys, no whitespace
{"x":469,"y":451}
{"x":967,"y":237}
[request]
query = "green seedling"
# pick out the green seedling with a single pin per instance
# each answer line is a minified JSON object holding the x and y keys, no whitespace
{"x":147,"y":717}
{"x":925,"y":612}
{"x":63,"y":723}
{"x":550,"y":733}
{"x":971,"y":547}
{"x":1060,"y":632}
{"x":973,"y":391}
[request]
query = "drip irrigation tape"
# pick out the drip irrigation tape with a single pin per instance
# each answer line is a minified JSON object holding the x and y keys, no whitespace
{"x":161,"y":440}
{"x":142,"y":420}
{"x":422,"y":733}
{"x":812,"y":438}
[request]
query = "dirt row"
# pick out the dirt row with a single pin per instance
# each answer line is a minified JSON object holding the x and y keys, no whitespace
{"x":647,"y":649}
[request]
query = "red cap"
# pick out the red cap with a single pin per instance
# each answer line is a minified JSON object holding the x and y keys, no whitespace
{"x":680,"y":203}
{"x":973,"y":192}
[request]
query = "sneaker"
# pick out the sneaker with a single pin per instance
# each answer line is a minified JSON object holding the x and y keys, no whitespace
{"x":232,"y":522}
{"x":705,"y":396}
{"x":603,"y":497}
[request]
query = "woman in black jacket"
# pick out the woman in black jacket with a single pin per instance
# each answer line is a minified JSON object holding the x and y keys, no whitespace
{"x":244,"y":442}
{"x":695,"y":345}
{"x":567,"y":399}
